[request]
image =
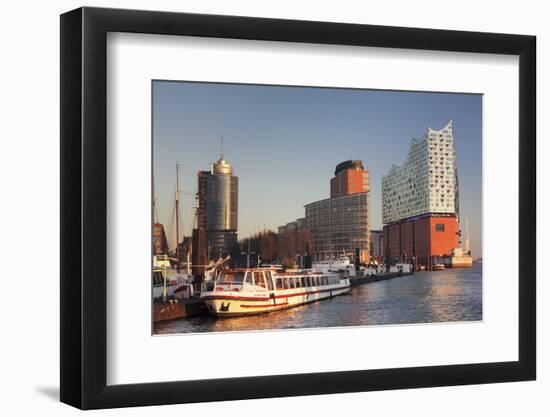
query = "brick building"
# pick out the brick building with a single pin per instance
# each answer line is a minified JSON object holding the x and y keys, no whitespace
{"x":430,"y":239}
{"x":160,"y":244}
{"x":377,"y":245}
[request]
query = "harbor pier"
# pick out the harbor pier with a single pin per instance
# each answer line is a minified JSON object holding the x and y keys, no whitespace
{"x":177,"y":309}
{"x":356,"y":281}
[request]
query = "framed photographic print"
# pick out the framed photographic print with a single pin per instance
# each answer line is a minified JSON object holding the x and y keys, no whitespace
{"x":258,"y":207}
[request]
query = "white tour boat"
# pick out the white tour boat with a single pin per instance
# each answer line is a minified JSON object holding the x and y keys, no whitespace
{"x":343,"y":263}
{"x":241,"y":292}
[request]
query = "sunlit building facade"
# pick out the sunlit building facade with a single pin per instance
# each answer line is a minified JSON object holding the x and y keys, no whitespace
{"x":340,"y":225}
{"x":218,"y":192}
{"x":420,"y":201}
{"x":160,"y":243}
{"x":349,"y":178}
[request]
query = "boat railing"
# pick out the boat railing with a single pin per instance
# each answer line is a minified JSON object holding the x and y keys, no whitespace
{"x":234,"y":286}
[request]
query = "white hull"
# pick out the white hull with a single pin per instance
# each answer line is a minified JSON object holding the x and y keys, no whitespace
{"x":158,"y":292}
{"x":231,"y":304}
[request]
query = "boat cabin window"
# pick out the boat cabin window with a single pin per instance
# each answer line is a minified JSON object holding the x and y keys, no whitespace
{"x":268,"y":278}
{"x":279,"y":283}
{"x":298,"y":282}
{"x":259,"y":279}
{"x":291,"y":282}
{"x":233,"y":277}
{"x":285,"y":284}
{"x":248,"y":279}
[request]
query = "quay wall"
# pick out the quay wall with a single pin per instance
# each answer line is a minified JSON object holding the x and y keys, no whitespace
{"x":177,"y":310}
{"x":355,"y":281}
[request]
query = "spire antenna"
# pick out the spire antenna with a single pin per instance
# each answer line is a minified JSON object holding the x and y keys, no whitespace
{"x":222,"y":148}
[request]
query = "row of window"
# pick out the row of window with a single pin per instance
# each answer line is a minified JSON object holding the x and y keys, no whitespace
{"x":265,"y":280}
{"x":303,"y":282}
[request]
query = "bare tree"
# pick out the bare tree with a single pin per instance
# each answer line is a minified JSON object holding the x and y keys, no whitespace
{"x":304,"y":241}
{"x":268,"y":246}
{"x":288,"y":246}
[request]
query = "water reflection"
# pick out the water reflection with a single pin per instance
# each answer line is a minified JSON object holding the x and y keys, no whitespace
{"x":426,"y":297}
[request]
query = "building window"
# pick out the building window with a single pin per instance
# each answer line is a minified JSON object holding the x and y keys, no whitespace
{"x":439,"y":227}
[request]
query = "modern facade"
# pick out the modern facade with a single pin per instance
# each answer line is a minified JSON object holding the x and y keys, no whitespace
{"x":217,"y":213}
{"x":340,"y":225}
{"x":420,"y":202}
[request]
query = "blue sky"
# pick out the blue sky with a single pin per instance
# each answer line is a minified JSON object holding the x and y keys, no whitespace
{"x":284,"y":143}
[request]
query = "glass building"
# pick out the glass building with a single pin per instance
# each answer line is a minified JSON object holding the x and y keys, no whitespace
{"x":340,"y":225}
{"x":218,"y":208}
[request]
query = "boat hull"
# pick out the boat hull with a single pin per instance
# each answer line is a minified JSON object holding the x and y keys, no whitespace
{"x":235,"y":304}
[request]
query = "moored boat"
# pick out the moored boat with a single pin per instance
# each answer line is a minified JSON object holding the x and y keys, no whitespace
{"x":166,"y":279}
{"x":438,"y":267}
{"x":342,"y":264}
{"x":241,"y":292}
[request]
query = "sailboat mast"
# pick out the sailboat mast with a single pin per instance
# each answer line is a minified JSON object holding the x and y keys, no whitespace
{"x":467,"y":240}
{"x":177,"y":212}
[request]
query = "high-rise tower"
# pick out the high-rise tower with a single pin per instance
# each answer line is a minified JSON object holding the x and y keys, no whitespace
{"x":218,"y":191}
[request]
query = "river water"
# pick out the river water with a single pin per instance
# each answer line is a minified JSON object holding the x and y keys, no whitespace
{"x":425,"y":297}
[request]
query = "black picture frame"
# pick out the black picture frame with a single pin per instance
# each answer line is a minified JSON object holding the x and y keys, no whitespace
{"x":84,"y":207}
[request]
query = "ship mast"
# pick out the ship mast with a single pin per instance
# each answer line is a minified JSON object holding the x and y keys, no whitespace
{"x":155,"y":212}
{"x":467,"y":239}
{"x":177,"y":213}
